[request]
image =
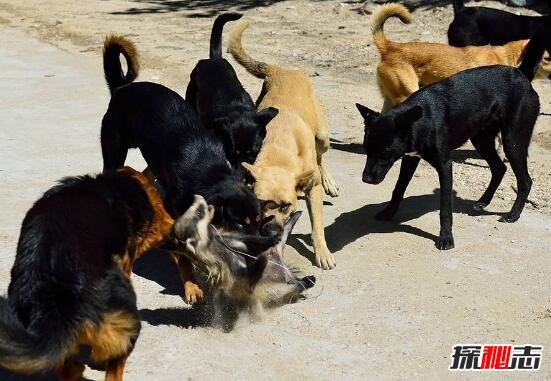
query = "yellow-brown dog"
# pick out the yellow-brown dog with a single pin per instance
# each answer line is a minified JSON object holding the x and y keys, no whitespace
{"x":290,"y":161}
{"x":405,"y":67}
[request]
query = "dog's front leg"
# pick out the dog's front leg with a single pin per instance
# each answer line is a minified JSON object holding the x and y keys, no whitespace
{"x":192,"y":292}
{"x":407,"y":169}
{"x":445,"y":175}
{"x":314,"y":201}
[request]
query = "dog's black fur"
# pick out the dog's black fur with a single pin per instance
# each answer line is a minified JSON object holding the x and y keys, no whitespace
{"x":223,"y":104}
{"x":487,"y":26}
{"x":65,"y":271}
{"x":185,"y":157}
{"x":475,"y":104}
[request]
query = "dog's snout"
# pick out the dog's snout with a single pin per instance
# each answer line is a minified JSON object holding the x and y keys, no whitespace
{"x":271,"y":229}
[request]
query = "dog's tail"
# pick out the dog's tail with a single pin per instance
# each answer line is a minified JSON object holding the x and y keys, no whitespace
{"x":25,"y":353}
{"x":380,"y":15}
{"x":458,"y":5}
{"x":216,"y":34}
{"x":256,"y":68}
{"x":113,"y":47}
{"x":532,"y":54}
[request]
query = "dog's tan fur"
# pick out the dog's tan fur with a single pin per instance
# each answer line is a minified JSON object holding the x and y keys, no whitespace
{"x":290,"y":161}
{"x":405,"y":67}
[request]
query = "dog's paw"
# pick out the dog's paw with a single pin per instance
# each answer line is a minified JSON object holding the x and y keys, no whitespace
{"x":479,"y":206}
{"x":325,"y":260}
{"x":192,"y":293}
{"x":445,"y":243}
{"x":386,"y":214}
{"x":510,"y":217}
{"x":330,"y":186}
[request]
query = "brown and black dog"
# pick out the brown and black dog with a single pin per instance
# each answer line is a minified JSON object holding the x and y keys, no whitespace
{"x":70,"y":283}
{"x":405,"y":67}
{"x":290,"y":160}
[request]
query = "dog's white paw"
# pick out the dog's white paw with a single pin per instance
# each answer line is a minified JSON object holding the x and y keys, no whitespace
{"x":325,"y":260}
{"x":330,"y":186}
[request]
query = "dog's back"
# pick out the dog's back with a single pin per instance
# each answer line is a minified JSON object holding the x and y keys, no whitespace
{"x":67,"y":276}
{"x":477,"y":26}
{"x":288,"y":90}
{"x":497,"y":97}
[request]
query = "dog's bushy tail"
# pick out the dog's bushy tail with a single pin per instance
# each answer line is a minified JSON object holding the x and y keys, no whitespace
{"x":457,"y":6}
{"x":113,"y":47}
{"x":380,"y":15}
{"x":216,"y":34}
{"x":24,"y":353}
{"x":256,"y":68}
{"x":532,"y":54}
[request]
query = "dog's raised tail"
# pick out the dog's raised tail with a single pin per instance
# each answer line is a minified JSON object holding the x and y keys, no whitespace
{"x":256,"y":68}
{"x":458,"y":5}
{"x":533,"y":54}
{"x":23,"y":353}
{"x":380,"y":15}
{"x":113,"y":47}
{"x":216,"y":34}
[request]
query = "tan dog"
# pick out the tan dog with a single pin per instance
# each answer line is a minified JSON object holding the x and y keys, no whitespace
{"x":290,"y":161}
{"x":405,"y":67}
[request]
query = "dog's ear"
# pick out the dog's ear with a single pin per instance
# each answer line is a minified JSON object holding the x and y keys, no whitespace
{"x":264,"y":117}
{"x":251,"y":169}
{"x":368,"y":114}
{"x":407,"y":118}
{"x":306,"y":180}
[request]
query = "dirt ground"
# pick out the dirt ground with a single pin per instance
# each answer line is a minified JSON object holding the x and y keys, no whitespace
{"x":394,"y":306}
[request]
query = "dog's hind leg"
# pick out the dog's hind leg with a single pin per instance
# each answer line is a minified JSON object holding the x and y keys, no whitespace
{"x":71,"y":370}
{"x":397,"y":83}
{"x":516,"y":140}
{"x":407,"y":169}
{"x":114,"y":146}
{"x":517,"y":154}
{"x":191,"y":93}
{"x":484,"y":143}
{"x":115,"y":369}
{"x":445,"y":175}
{"x":192,"y":292}
{"x":112,"y":339}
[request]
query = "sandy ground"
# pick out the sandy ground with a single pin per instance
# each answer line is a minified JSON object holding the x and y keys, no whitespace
{"x":394,"y":306}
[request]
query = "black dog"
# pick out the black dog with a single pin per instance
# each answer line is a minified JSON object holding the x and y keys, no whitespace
{"x":70,"y":281}
{"x":487,"y":26}
{"x":186,"y":158}
{"x":474,"y":104}
{"x":223,"y":104}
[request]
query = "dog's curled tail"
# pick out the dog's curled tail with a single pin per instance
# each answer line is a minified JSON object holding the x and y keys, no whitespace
{"x":216,"y":34}
{"x":380,"y":15}
{"x":533,"y":53}
{"x":23,"y":353}
{"x":113,"y":47}
{"x":457,"y":5}
{"x":256,"y":68}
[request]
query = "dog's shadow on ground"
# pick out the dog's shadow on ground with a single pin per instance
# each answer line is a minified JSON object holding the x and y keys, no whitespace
{"x":352,"y":225}
{"x":200,"y":8}
{"x":157,"y":266}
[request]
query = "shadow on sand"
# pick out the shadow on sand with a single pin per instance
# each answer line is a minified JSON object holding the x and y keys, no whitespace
{"x":350,"y":226}
{"x":200,"y":8}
